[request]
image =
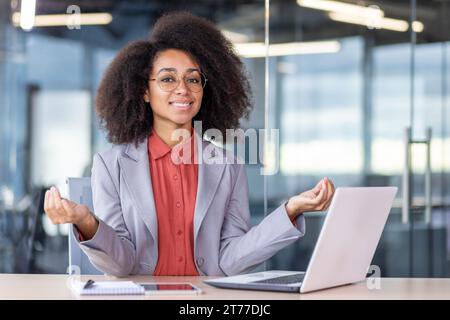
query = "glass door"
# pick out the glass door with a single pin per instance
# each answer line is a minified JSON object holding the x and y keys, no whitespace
{"x":425,"y":206}
{"x":371,"y":92}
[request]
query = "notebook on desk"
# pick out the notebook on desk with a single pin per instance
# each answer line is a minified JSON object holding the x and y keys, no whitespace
{"x":108,"y":288}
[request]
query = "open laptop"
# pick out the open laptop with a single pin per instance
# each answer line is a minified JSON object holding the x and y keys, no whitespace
{"x":344,"y":249}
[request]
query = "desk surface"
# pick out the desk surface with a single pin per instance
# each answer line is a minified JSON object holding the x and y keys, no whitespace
{"x":31,"y":286}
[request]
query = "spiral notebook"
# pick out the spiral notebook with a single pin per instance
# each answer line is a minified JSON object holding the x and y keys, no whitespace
{"x":109,"y":288}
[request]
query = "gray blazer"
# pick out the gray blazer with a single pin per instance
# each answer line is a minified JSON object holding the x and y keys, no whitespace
{"x":126,"y":241}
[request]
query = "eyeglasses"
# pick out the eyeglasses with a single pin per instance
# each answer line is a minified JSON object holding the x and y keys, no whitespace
{"x":168,"y":80}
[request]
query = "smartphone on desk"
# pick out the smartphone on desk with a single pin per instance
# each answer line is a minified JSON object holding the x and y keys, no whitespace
{"x":174,"y":288}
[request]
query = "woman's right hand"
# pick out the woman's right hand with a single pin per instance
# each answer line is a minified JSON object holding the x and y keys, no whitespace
{"x":60,"y":211}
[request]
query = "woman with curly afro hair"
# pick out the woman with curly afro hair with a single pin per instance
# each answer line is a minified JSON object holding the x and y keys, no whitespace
{"x":166,"y":200}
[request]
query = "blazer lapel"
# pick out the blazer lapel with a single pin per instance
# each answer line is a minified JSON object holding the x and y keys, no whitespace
{"x":209,"y":176}
{"x":136,"y":172}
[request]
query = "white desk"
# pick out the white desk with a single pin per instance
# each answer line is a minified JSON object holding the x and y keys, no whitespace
{"x":31,"y":286}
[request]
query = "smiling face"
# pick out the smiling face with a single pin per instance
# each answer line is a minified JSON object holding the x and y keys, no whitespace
{"x":175,"y":108}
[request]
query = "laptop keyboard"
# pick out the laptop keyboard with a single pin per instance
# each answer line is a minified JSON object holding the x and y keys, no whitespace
{"x":284,"y":280}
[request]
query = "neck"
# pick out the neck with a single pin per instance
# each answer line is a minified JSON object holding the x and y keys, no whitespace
{"x":165,"y":130}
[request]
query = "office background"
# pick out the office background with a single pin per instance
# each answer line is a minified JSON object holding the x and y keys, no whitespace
{"x":345,"y":80}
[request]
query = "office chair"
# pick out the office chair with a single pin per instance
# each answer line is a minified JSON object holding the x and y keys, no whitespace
{"x":79,"y":191}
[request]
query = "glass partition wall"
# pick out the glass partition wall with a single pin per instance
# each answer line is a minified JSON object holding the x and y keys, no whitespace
{"x":366,"y":104}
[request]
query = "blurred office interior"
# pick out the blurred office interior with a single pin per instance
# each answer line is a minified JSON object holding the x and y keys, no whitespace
{"x":345,"y":80}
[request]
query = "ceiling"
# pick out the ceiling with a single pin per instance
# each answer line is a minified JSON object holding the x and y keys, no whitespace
{"x":288,"y":21}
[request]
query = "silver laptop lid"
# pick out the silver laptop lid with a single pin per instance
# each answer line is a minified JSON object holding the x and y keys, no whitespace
{"x":349,"y":237}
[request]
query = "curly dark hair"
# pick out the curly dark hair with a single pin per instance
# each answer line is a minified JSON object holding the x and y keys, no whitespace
{"x":125,"y":115}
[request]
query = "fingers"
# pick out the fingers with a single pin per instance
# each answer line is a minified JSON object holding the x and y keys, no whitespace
{"x":70,"y":212}
{"x":52,"y":211}
{"x":57,"y":199}
{"x":330,"y":187}
{"x":46,"y":200}
{"x":54,"y":208}
{"x":317,"y":188}
{"x":320,"y":197}
{"x":56,"y":193}
{"x":48,"y":206}
{"x":324,"y":187}
{"x":316,"y":199}
{"x":309,"y":194}
{"x":323,"y":198}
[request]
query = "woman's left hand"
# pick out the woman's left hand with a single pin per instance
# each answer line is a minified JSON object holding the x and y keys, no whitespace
{"x":315,"y":199}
